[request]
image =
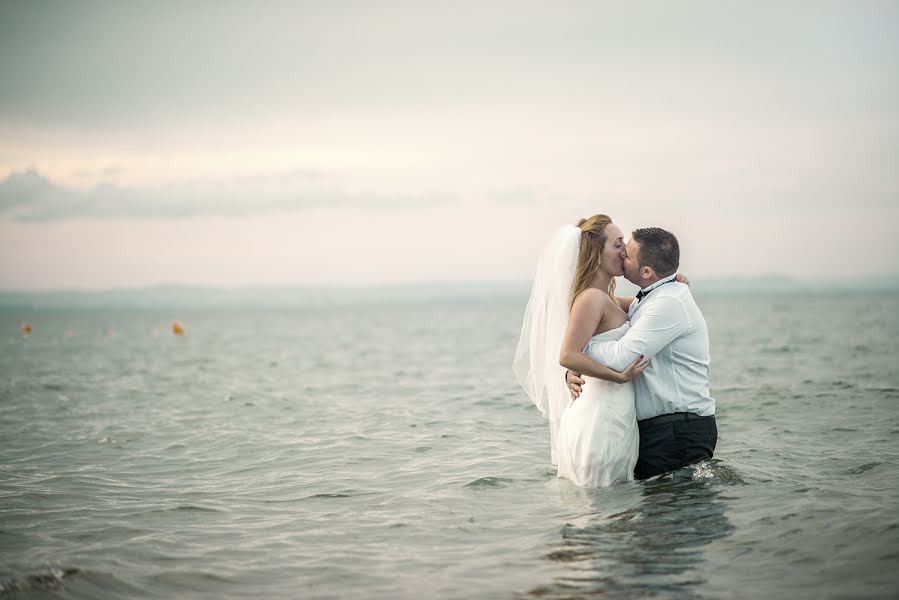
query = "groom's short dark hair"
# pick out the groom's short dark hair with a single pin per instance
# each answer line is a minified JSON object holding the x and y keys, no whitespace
{"x":658,"y":249}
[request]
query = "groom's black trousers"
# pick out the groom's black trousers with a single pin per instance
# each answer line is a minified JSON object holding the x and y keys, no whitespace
{"x":672,"y":441}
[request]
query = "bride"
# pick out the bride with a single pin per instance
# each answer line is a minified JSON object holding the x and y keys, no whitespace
{"x":594,"y":439}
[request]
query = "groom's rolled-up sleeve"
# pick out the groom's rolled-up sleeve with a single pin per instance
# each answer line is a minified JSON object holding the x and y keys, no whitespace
{"x":659,"y":324}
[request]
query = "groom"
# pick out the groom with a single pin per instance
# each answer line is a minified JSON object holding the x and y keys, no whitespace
{"x":675,"y":413}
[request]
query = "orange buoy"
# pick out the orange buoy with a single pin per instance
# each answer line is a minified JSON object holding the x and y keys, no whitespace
{"x":25,"y":329}
{"x":177,"y":328}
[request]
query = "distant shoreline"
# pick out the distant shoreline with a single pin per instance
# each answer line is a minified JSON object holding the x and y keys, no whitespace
{"x":287,"y":297}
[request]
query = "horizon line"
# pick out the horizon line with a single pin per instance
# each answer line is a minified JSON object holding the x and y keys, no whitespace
{"x":779,"y":278}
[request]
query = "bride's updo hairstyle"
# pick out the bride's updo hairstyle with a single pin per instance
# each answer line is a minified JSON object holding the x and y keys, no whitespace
{"x":593,"y":239}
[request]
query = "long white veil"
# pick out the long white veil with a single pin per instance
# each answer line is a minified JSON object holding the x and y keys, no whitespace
{"x":536,"y":364}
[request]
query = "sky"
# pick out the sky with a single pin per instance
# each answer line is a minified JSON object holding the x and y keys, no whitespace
{"x":357,"y":143}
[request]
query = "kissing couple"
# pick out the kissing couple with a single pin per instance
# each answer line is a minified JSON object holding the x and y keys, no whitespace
{"x":634,"y":401}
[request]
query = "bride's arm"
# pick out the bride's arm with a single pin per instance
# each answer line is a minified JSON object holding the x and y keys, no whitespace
{"x":585,"y":316}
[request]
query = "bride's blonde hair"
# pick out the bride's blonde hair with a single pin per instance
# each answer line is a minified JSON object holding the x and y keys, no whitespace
{"x":593,"y":239}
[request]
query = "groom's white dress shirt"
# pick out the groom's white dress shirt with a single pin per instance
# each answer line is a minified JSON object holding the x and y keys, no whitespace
{"x":669,"y":330}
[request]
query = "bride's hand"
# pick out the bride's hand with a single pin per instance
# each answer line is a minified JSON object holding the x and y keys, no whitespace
{"x":574,"y":382}
{"x":682,"y":278}
{"x":633,"y":369}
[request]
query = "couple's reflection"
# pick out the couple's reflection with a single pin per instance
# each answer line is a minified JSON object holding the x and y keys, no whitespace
{"x":641,"y":538}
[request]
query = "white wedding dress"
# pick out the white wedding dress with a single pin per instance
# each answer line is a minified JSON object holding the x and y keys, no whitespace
{"x":598,"y":440}
{"x":593,"y":440}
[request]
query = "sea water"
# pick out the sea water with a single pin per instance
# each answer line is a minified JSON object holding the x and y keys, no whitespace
{"x":387,"y":452}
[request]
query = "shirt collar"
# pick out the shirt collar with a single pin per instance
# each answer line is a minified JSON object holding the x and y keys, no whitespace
{"x":653,"y":286}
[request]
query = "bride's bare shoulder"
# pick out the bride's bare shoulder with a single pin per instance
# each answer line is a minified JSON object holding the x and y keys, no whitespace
{"x":591,"y":295}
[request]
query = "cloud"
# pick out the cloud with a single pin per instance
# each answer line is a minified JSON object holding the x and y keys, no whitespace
{"x":29,"y":196}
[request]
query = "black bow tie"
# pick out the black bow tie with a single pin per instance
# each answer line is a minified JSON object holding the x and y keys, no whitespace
{"x":641,"y":294}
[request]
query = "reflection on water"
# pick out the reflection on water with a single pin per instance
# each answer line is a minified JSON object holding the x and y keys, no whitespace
{"x":642,"y":538}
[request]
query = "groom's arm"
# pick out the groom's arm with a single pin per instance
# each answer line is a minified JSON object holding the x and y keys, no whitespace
{"x":659,"y":324}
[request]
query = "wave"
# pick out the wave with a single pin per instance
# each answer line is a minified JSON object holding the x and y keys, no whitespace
{"x":50,"y":579}
{"x":490,"y":482}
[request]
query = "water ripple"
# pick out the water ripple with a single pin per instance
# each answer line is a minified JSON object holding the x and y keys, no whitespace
{"x":262,"y":456}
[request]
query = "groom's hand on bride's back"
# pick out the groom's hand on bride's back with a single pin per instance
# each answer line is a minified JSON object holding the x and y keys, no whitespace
{"x":574,"y":383}
{"x":575,"y":380}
